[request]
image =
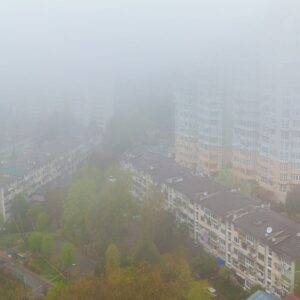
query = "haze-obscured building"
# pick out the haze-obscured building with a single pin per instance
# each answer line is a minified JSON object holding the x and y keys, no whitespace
{"x":259,"y":245}
{"x":202,"y":126}
{"x":33,"y":163}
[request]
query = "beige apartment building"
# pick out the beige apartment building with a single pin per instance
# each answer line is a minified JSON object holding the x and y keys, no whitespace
{"x":264,"y":135}
{"x":259,"y":245}
{"x":245,"y":136}
{"x":264,"y":90}
{"x":186,"y":127}
{"x":201,"y":126}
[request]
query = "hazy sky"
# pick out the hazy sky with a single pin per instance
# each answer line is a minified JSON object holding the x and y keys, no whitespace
{"x":67,"y":47}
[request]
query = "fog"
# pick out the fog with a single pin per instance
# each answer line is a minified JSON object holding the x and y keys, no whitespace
{"x":135,"y":54}
{"x":149,"y":149}
{"x":70,"y":49}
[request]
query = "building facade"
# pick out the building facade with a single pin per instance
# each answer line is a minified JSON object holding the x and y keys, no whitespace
{"x":201,"y":123}
{"x":245,"y":130}
{"x":264,"y":89}
{"x":256,"y":133}
{"x":186,"y":128}
{"x":259,"y":245}
{"x":32,"y":171}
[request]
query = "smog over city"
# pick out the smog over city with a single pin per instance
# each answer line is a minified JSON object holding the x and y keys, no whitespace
{"x":150,"y":149}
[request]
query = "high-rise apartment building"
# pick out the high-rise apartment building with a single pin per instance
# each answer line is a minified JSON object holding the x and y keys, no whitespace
{"x":186,"y":128}
{"x":201,"y":121}
{"x":279,"y":143}
{"x":264,"y":130}
{"x":279,"y":147}
{"x":245,"y":124}
{"x":264,"y":127}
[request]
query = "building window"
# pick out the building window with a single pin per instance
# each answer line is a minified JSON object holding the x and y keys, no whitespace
{"x":284,"y":167}
{"x":248,"y":284}
{"x":269,"y":275}
{"x":236,"y":240}
{"x":261,"y":257}
{"x":229,"y":258}
{"x":250,"y":239}
{"x":269,"y":263}
{"x":283,"y":188}
{"x":229,"y":236}
{"x":283,"y":177}
{"x":229,"y":247}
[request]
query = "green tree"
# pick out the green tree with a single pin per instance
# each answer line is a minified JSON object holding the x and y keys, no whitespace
{"x":112,"y":258}
{"x":146,"y":252}
{"x":80,"y":203}
{"x":224,"y":274}
{"x":40,"y":243}
{"x":57,"y":291}
{"x":160,"y":226}
{"x":262,"y":193}
{"x":42,"y":221}
{"x":227,"y":178}
{"x":32,"y":213}
{"x":176,"y":268}
{"x":132,"y":283}
{"x":47,"y":244}
{"x":18,"y":213}
{"x":113,"y":214}
{"x":293,"y":201}
{"x":204,"y":266}
{"x":35,"y":242}
{"x":54,"y":204}
{"x":67,"y":255}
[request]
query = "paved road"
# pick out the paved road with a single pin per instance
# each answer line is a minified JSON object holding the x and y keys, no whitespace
{"x":35,"y":281}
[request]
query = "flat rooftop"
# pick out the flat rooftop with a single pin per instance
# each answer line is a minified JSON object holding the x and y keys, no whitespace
{"x":164,"y":169}
{"x":247,"y":213}
{"x":29,"y":156}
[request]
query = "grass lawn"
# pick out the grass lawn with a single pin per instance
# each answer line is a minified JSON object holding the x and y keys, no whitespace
{"x":39,"y":266}
{"x":297,"y":279}
{"x":10,"y":240}
{"x":198,"y":291}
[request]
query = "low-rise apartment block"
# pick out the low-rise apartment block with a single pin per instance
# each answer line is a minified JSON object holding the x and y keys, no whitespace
{"x":258,"y":244}
{"x":39,"y":164}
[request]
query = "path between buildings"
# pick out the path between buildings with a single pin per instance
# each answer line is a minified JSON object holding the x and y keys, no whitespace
{"x":38,"y":283}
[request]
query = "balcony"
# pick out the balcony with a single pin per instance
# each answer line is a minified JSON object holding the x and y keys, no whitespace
{"x":285,"y":280}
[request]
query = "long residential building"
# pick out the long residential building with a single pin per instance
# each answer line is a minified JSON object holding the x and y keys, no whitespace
{"x":41,"y":163}
{"x":259,"y":245}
